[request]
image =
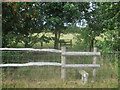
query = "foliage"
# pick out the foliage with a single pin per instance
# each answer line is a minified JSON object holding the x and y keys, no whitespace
{"x":21,"y":21}
{"x":49,"y":76}
{"x":107,"y":41}
{"x":103,"y":18}
{"x":59,"y":15}
{"x":27,"y":18}
{"x":83,"y":38}
{"x":110,"y":15}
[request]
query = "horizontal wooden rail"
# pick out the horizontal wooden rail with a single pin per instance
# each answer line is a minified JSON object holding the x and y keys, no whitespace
{"x":30,"y":49}
{"x":82,"y":65}
{"x":81,"y":53}
{"x":51,"y":50}
{"x":63,"y":64}
{"x":32,"y":64}
{"x":49,"y":64}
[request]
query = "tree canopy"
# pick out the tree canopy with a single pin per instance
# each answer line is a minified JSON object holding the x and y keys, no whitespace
{"x":28,"y":18}
{"x":21,"y":20}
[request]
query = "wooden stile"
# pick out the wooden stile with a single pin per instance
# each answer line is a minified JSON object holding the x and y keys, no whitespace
{"x":64,"y":65}
{"x":63,"y":60}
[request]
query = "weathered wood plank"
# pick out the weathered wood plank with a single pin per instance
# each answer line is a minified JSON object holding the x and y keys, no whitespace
{"x":94,"y":62}
{"x":49,"y":64}
{"x":32,"y":64}
{"x":31,"y":49}
{"x":63,"y":63}
{"x":82,"y":65}
{"x":81,"y":53}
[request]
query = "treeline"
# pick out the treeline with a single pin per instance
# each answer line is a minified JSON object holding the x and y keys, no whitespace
{"x":97,"y":24}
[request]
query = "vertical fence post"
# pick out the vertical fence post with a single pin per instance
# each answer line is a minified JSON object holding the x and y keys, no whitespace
{"x":63,"y":62}
{"x":94,"y":62}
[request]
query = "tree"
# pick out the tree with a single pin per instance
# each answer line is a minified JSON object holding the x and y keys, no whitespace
{"x":108,"y":19}
{"x":37,"y":17}
{"x":92,"y":26}
{"x":20,"y":21}
{"x":56,"y":15}
{"x":59,"y":15}
{"x":102,"y":17}
{"x":94,"y":23}
{"x":110,"y":14}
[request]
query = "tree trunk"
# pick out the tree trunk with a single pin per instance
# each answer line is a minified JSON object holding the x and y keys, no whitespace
{"x":91,"y":44}
{"x":118,"y":46}
{"x":56,"y":41}
{"x":27,"y":45}
{"x":27,"y":41}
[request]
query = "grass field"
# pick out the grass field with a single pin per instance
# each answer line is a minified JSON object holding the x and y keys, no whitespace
{"x":49,"y":76}
{"x":24,"y":83}
{"x":51,"y":43}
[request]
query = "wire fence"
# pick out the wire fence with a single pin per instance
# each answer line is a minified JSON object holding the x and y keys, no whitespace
{"x":107,"y":70}
{"x":33,"y":72}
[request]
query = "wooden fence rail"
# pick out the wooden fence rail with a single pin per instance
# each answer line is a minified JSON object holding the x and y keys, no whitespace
{"x":64,"y":65}
{"x":81,"y":53}
{"x":63,"y":60}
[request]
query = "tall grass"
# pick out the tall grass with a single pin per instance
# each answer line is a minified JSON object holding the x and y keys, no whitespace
{"x":49,"y":76}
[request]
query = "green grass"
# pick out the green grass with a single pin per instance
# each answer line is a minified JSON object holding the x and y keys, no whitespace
{"x":57,"y":83}
{"x":51,"y":43}
{"x":49,"y":76}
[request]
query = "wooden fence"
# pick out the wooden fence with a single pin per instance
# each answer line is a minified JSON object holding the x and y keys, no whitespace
{"x":65,"y":42}
{"x":63,"y":63}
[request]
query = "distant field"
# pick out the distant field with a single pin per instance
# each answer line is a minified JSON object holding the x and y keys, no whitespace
{"x":51,"y":43}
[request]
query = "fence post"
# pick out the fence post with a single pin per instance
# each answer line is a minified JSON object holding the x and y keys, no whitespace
{"x":94,"y":62}
{"x":63,"y":62}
